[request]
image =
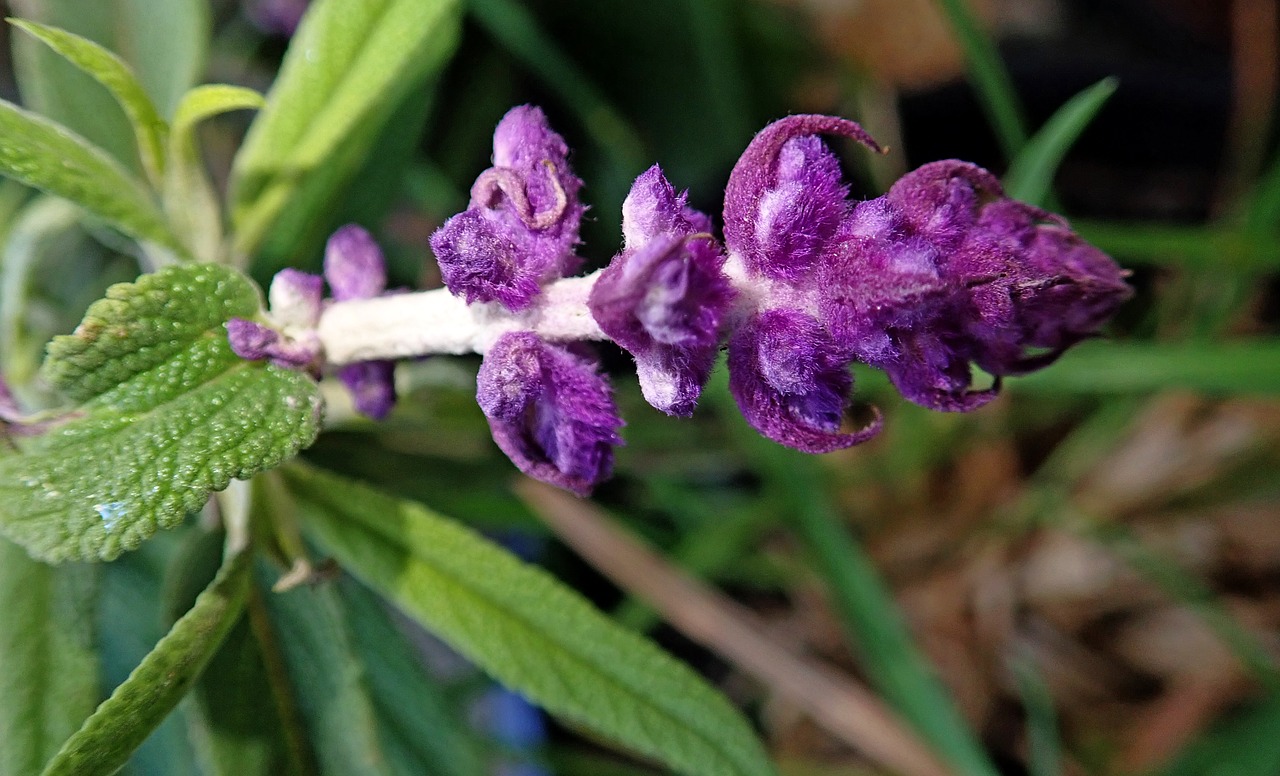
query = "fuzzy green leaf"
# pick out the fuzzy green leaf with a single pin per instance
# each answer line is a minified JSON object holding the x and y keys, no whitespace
{"x":139,"y":705}
{"x":170,"y":415}
{"x":527,"y":629}
{"x":118,"y":78}
{"x":47,"y":156}
{"x":347,"y":68}
{"x":48,"y":666}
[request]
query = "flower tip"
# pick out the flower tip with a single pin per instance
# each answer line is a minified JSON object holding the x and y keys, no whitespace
{"x":353,"y":264}
{"x":250,"y":340}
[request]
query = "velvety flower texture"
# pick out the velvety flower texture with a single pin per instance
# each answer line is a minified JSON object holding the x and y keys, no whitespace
{"x":785,"y":217}
{"x":665,"y":297}
{"x":355,"y":269}
{"x":941,"y":272}
{"x":549,"y":410}
{"x":521,"y":226}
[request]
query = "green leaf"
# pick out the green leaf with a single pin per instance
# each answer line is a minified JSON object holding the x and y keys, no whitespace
{"x":422,"y":733}
{"x":171,"y":414}
{"x":328,"y":680}
{"x":130,"y":621}
{"x":113,"y":73}
{"x":193,"y":207}
{"x":168,"y":60}
{"x":527,"y":629}
{"x":154,"y":688}
{"x":231,"y":715}
{"x":48,"y":666}
{"x":42,"y":154}
{"x":1031,"y":173}
{"x":991,"y":79}
{"x":1246,"y":743}
{"x":1225,"y":368}
{"x":347,"y":69}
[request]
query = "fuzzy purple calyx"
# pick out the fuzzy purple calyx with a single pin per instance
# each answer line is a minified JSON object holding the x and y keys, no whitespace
{"x":665,"y":297}
{"x":550,"y":411}
{"x":521,"y":227}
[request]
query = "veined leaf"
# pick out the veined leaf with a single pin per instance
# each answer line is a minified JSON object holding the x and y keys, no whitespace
{"x":170,"y":415}
{"x":328,"y":680}
{"x":113,"y":73}
{"x":48,"y":666}
{"x":527,"y":629}
{"x":421,"y":733}
{"x":190,"y":201}
{"x":136,"y":707}
{"x":42,"y":154}
{"x":1032,"y":170}
{"x":347,"y":68}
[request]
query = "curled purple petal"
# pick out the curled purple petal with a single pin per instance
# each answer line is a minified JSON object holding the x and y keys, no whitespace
{"x":549,"y":410}
{"x":372,"y":386}
{"x":785,"y":198}
{"x":482,"y":259}
{"x":521,"y":227}
{"x":792,"y":382}
{"x":295,"y":298}
{"x":353,"y":265}
{"x":665,"y":297}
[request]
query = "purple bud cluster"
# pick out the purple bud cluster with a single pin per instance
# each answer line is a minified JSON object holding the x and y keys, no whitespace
{"x":354,"y":269}
{"x":941,"y":273}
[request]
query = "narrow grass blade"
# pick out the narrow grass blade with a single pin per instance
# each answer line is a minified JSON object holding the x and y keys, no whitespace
{"x":991,"y":79}
{"x":871,"y":620}
{"x":1248,"y":367}
{"x":1207,"y":247}
{"x":1032,"y":171}
{"x":1044,"y":747}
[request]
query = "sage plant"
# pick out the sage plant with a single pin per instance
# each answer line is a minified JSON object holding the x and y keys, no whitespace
{"x":940,"y":273}
{"x":182,"y":393}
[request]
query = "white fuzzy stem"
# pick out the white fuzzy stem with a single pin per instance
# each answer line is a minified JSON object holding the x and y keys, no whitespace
{"x":430,"y":322}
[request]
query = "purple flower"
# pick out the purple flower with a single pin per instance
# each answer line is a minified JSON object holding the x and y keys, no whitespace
{"x":664,"y":297}
{"x":792,"y":381}
{"x":942,"y":272}
{"x":290,"y":342}
{"x":277,"y":16}
{"x":355,"y":269}
{"x":786,"y":216}
{"x":549,"y":410}
{"x":521,"y":227}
